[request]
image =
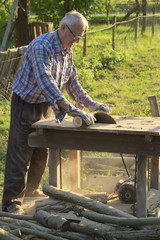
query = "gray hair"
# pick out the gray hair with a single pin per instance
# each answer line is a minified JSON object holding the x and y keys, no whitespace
{"x":74,"y":17}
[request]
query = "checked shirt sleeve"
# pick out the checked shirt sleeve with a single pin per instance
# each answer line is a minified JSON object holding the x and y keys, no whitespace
{"x":76,"y":91}
{"x":42,"y":68}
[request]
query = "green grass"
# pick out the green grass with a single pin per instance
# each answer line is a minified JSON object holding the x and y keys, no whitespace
{"x":124,"y":77}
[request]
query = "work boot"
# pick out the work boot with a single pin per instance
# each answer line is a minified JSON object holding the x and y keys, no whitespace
{"x":36,"y":193}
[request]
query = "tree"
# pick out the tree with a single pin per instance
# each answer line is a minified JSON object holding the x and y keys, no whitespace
{"x":54,"y":10}
{"x":132,"y":10}
{"x":108,"y":5}
{"x":21,"y":23}
{"x":144,"y":11}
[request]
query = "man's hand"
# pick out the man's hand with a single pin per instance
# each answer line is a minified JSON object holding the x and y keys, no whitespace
{"x":100,"y":106}
{"x":87,"y":118}
{"x":73,"y":111}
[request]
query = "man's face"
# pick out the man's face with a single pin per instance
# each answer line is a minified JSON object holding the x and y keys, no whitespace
{"x":72,"y":34}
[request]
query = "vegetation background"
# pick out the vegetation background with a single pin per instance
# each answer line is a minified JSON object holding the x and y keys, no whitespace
{"x":124,"y":77}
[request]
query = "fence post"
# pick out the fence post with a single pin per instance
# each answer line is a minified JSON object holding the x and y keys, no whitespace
{"x":114,"y":33}
{"x":153,"y":22}
{"x":136,"y":26}
{"x":155,"y":162}
{"x":84,"y":44}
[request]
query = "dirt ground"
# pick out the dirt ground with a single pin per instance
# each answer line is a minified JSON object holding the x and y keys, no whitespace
{"x":29,"y":205}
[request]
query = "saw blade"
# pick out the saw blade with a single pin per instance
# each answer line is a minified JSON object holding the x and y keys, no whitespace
{"x":103,"y":117}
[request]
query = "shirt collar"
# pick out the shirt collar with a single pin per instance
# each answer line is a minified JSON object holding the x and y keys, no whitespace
{"x":59,"y":47}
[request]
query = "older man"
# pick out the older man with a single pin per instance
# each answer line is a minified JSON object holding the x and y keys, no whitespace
{"x":47,"y":69}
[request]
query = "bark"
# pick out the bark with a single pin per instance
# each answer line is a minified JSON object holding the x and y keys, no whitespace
{"x":21,"y":24}
{"x":32,"y":228}
{"x":52,"y":221}
{"x":144,"y":11}
{"x":91,"y":230}
{"x":120,"y":221}
{"x":16,"y":216}
{"x":137,"y":235}
{"x":83,"y":201}
{"x":108,"y":5}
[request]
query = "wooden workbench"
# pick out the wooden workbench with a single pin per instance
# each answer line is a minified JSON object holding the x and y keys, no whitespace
{"x":131,"y":135}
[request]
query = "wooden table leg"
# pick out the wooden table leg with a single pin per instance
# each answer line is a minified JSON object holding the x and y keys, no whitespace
{"x":141,"y":187}
{"x":54,"y":165}
{"x":155,"y":169}
{"x":75,"y":174}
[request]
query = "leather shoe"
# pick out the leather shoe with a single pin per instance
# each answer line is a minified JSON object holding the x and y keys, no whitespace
{"x":14,"y":208}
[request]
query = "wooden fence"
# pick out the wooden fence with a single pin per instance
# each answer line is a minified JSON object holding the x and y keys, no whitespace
{"x":9,"y":64}
{"x":38,"y":28}
{"x":10,"y":60}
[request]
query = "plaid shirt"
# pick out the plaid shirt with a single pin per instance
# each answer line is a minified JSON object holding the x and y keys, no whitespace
{"x":45,"y":71}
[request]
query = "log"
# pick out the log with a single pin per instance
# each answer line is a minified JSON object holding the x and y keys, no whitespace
{"x":137,"y":235}
{"x":50,"y":204}
{"x":52,"y":221}
{"x":36,"y":230}
{"x":147,"y":234}
{"x":91,"y":230}
{"x":48,"y":201}
{"x":47,"y":236}
{"x":16,"y":216}
{"x":101,"y":197}
{"x":40,"y":234}
{"x":120,"y":221}
{"x":6,"y":235}
{"x":83,"y":201}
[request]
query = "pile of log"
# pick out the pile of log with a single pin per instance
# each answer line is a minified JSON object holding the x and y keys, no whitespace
{"x":66,"y":215}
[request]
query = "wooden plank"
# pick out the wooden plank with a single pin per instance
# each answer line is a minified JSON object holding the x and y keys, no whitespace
{"x":54,"y":165}
{"x":75,"y":169}
{"x":141,"y":187}
{"x":155,"y":163}
{"x":154,"y":105}
{"x":155,"y":170}
{"x":3,"y":57}
{"x":93,"y":141}
{"x":50,"y":27}
{"x":133,"y":125}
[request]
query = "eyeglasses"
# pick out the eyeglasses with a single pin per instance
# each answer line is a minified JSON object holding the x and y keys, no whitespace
{"x":76,"y":38}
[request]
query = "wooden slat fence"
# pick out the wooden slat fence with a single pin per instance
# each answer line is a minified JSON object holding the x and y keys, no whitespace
{"x":38,"y":28}
{"x":9,"y":64}
{"x":10,"y":60}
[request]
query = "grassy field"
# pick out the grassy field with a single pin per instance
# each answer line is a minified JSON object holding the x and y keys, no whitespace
{"x":124,"y":77}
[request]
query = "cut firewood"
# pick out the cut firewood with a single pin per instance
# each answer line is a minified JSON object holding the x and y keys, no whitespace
{"x":83,"y":201}
{"x":52,"y":221}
